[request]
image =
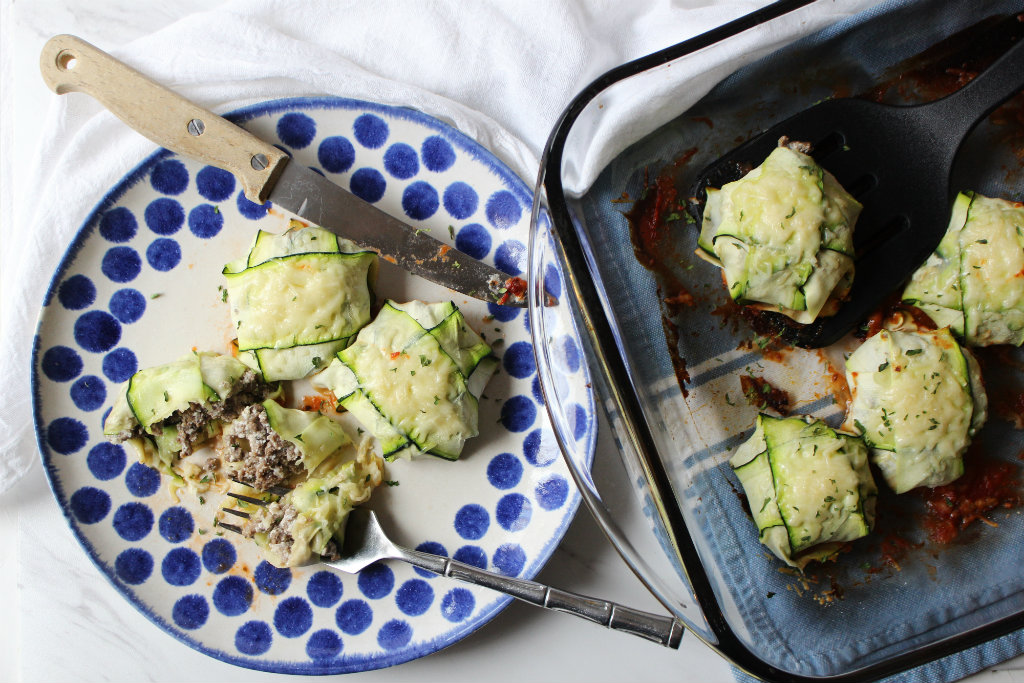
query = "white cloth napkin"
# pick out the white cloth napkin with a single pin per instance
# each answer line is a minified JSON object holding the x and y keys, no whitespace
{"x":499,"y":71}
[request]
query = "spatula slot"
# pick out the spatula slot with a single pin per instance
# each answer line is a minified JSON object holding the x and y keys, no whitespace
{"x":828,"y":145}
{"x":862,"y":185}
{"x":885,"y":233}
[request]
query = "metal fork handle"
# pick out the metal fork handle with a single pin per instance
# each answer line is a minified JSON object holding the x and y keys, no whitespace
{"x":667,"y":631}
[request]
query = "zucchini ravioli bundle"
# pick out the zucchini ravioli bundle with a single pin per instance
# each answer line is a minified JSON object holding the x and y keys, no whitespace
{"x":783,"y":236}
{"x":974,"y":281}
{"x":809,"y":487}
{"x":298,"y":298}
{"x":917,"y":400}
{"x":271,"y":448}
{"x":413,"y":377}
{"x":166,"y":412}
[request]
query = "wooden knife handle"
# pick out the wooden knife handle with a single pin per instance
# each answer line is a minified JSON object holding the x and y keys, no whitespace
{"x":69,"y":64}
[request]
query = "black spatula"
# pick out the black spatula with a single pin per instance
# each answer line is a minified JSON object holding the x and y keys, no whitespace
{"x":897,"y":161}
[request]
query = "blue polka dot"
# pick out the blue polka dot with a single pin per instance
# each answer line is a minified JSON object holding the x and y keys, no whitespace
{"x":509,"y":559}
{"x":89,"y":393}
{"x":503,"y":210}
{"x":106,"y":460}
{"x":536,"y":391}
{"x":121,"y":264}
{"x":376,"y":581}
{"x":457,"y":604}
{"x":353,"y":617}
{"x":127,"y":305}
{"x":419,"y":200}
{"x":163,"y":254}
{"x":472,"y":555}
{"x":434,"y":548}
{"x":394,"y":634}
{"x":61,"y":363}
{"x":514,"y":512}
{"x":472,"y":521}
{"x":504,"y":471}
{"x":370,"y":131}
{"x":76,"y":293}
{"x":253,"y":638}
{"x":536,"y":451}
{"x":293,"y":617}
{"x":460,"y":200}
{"x":251,"y":210}
{"x":66,"y":435}
{"x":169,"y":177}
{"x":475,"y":240}
{"x":414,"y":597}
{"x":323,"y":645}
{"x":232,"y":596}
{"x":205,"y":221}
{"x":142,"y":481}
{"x":133,"y":521}
{"x":552,"y":492}
{"x":181,"y":567}
{"x":502,"y":314}
{"x":437,"y":154}
{"x":133,"y":566}
{"x":324,"y":589}
{"x":118,"y":225}
{"x":518,"y":413}
{"x":296,"y":130}
{"x":553,"y":281}
{"x":175,"y":524}
{"x":336,"y":154}
{"x":119,"y":365}
{"x":518,"y":360}
{"x":215,"y":184}
{"x":89,"y":504}
{"x":569,"y":358}
{"x":164,"y":216}
{"x":272,"y":580}
{"x":401,"y":161}
{"x":190,"y":612}
{"x":97,"y":331}
{"x":510,"y":256}
{"x":368,"y":184}
{"x":580,"y":421}
{"x":219,"y":556}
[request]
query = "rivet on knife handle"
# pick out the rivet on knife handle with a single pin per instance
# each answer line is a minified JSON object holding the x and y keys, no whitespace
{"x":70,"y":64}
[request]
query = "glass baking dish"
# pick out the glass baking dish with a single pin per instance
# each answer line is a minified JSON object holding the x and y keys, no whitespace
{"x":666,"y":352}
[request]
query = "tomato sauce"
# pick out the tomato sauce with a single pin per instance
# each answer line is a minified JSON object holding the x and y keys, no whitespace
{"x":986,"y":485}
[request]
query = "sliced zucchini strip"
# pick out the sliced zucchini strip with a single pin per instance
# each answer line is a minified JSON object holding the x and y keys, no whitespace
{"x":809,"y":487}
{"x":298,"y":298}
{"x":974,"y":281}
{"x":917,"y":400}
{"x":413,"y":378}
{"x":783,"y":236}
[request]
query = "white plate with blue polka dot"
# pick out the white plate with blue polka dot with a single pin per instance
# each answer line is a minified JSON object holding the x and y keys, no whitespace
{"x":141,"y":285}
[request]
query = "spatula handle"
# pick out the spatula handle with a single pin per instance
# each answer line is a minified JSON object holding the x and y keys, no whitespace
{"x":661,"y":629}
{"x":70,"y":64}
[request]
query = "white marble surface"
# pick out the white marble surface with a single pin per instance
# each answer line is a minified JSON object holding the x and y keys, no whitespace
{"x":65,"y":622}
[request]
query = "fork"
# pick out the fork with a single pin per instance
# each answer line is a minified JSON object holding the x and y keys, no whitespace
{"x":365,"y":543}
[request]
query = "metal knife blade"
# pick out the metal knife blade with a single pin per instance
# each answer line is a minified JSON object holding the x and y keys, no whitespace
{"x":313,"y":197}
{"x":69,"y":63}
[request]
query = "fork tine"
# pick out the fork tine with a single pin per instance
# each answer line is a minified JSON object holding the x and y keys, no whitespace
{"x":236,"y":513}
{"x":231,"y":527}
{"x":247,"y":499}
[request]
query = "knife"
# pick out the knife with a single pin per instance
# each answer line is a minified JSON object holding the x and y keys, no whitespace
{"x":70,"y":64}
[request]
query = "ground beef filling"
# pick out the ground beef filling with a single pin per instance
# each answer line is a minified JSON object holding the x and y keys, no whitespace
{"x":261,"y":458}
{"x":277,"y":520}
{"x":197,"y":422}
